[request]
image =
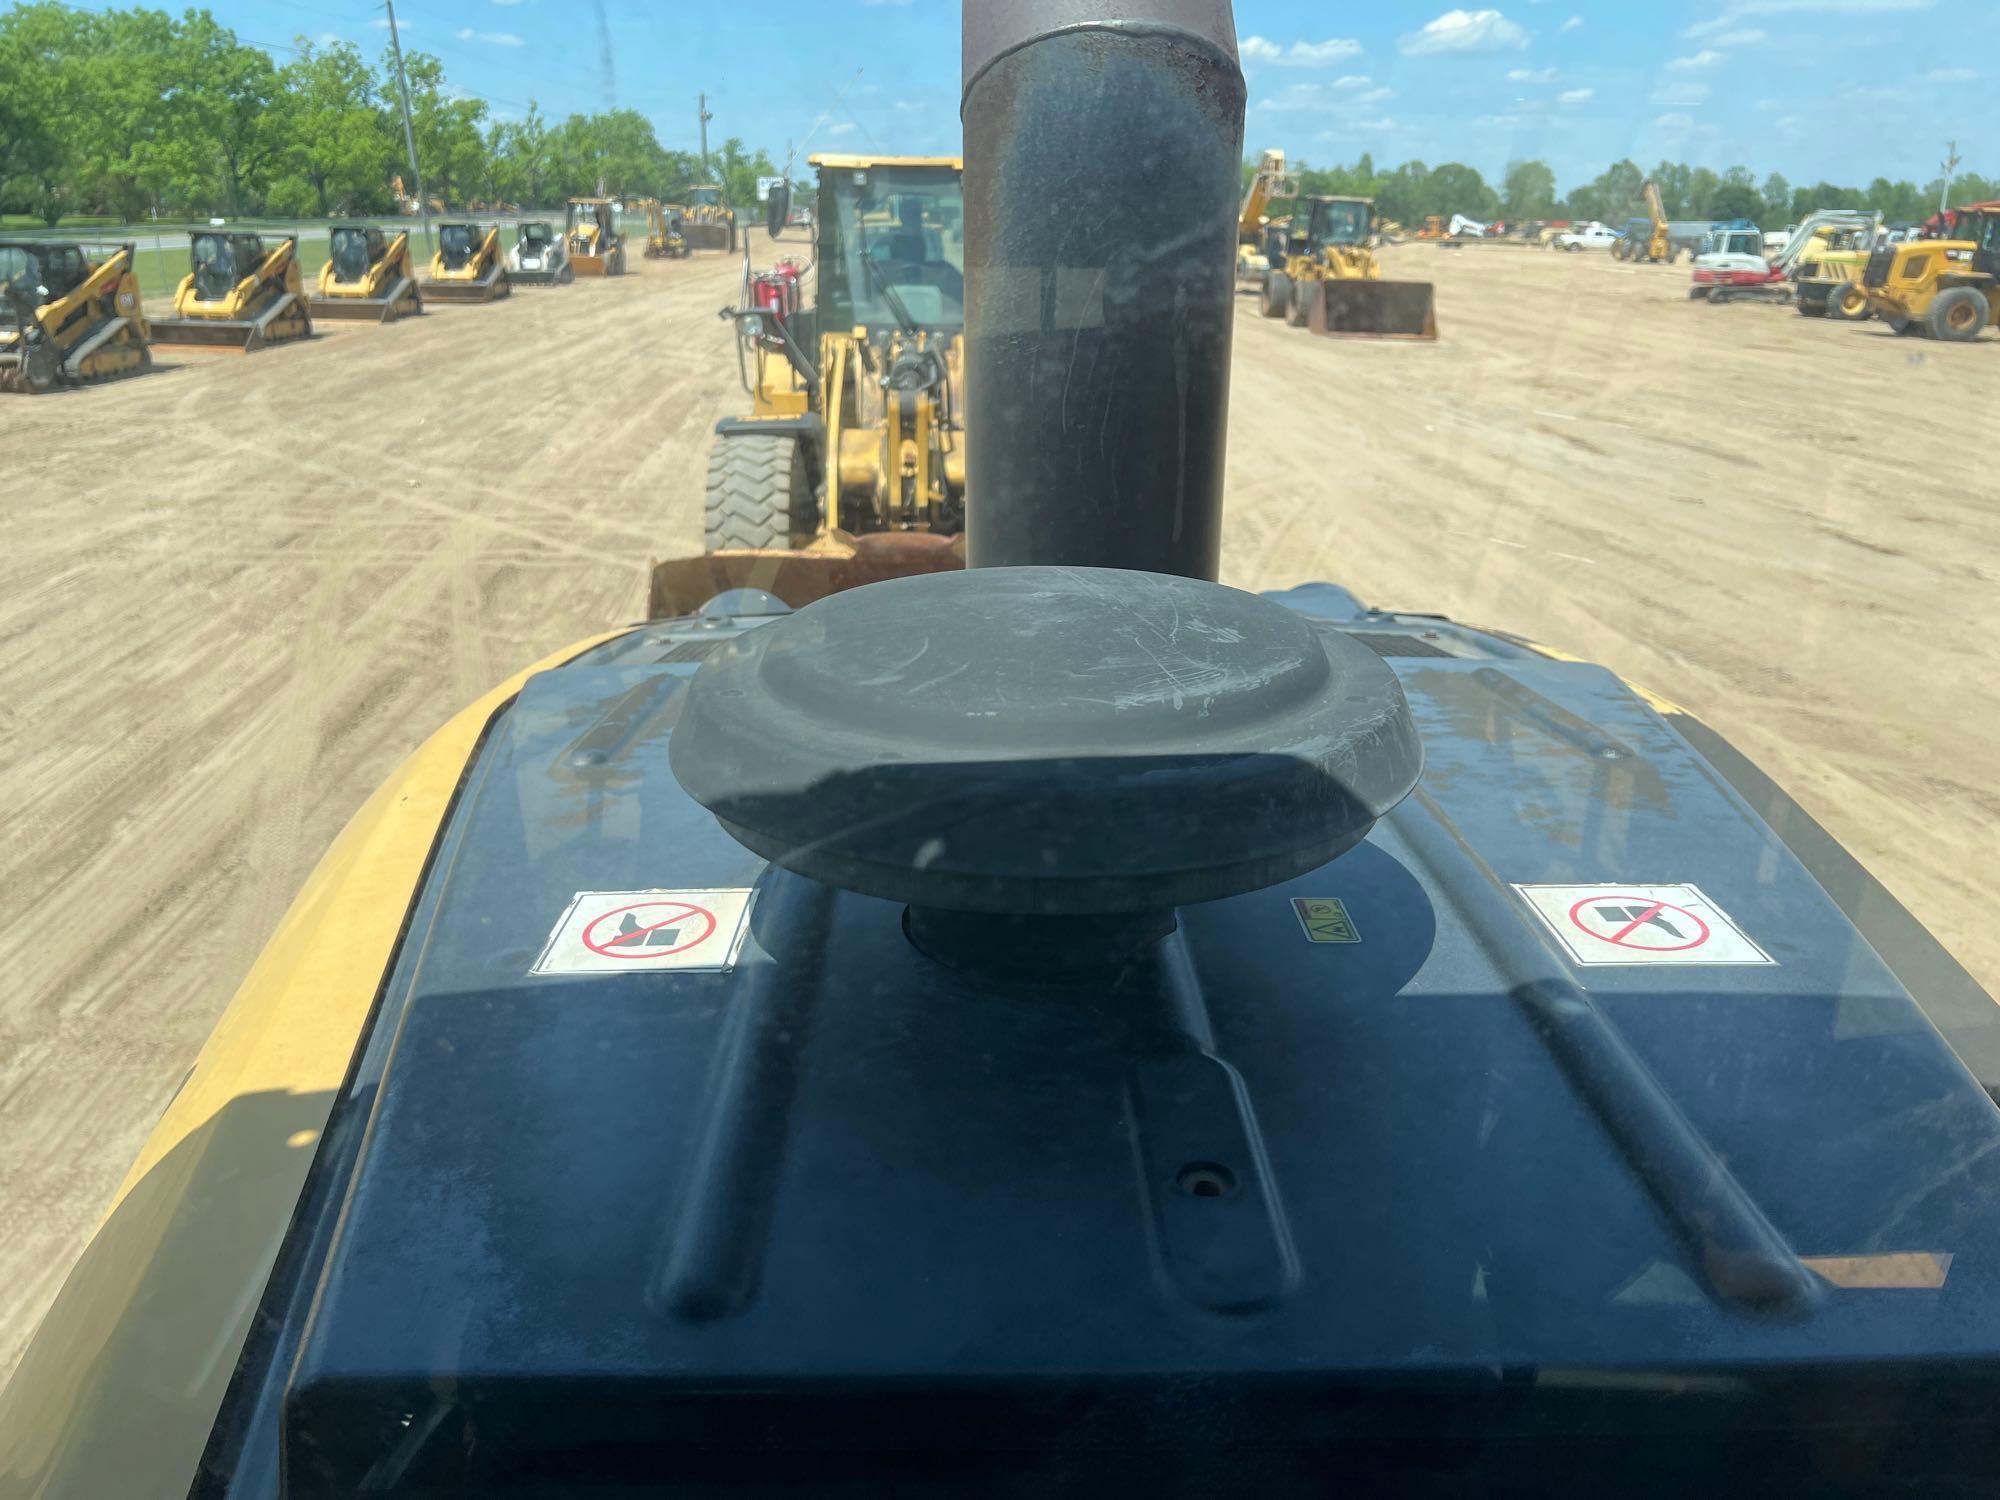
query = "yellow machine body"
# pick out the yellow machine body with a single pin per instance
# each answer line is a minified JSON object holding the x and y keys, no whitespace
{"x":1330,"y":282}
{"x":68,"y":320}
{"x":368,"y":277}
{"x":469,"y":265}
{"x":238,"y":294}
{"x":596,"y":248}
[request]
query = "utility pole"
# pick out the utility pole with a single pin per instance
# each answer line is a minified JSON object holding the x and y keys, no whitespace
{"x":705,"y":118}
{"x":409,"y":134}
{"x":1951,"y":161}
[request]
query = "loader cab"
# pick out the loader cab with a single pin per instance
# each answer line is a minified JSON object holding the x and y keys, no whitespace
{"x":1338,"y":222}
{"x":355,"y":248}
{"x":458,"y":244}
{"x":705,"y":195}
{"x":220,"y":261}
{"x":588,"y":225}
{"x":890,"y":246}
{"x":42,"y":273}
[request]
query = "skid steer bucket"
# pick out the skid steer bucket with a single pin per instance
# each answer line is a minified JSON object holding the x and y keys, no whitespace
{"x":285,"y":319}
{"x":1373,"y":310}
{"x":489,"y":288}
{"x":402,"y":300}
{"x":842,"y":562}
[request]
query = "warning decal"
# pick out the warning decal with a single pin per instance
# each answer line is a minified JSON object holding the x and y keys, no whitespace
{"x":1325,"y":919}
{"x":1641,"y":924}
{"x":616,"y":932}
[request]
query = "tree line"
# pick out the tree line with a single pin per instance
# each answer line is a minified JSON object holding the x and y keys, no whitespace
{"x":1413,"y":191}
{"x":137,"y":114}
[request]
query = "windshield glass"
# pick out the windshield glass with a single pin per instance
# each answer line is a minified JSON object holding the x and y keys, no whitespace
{"x":458,"y":243}
{"x":350,"y":253}
{"x":899,"y":232}
{"x":21,"y":270}
{"x":1340,"y":223}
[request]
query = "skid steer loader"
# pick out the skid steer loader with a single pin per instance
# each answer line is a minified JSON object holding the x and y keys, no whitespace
{"x":238,"y":294}
{"x":538,"y":257}
{"x":857,"y":423}
{"x":368,"y":277}
{"x":1325,"y":277}
{"x":710,"y":223}
{"x":468,"y":265}
{"x":595,"y":245}
{"x":1063,"y":1027}
{"x":66,"y":319}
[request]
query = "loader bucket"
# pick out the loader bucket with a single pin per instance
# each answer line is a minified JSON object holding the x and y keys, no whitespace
{"x":709,"y":236}
{"x":403,"y":301}
{"x":489,"y":288}
{"x":1374,"y":310}
{"x":285,"y":319}
{"x":684,"y":585}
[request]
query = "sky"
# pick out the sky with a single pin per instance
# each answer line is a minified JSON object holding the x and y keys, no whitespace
{"x":1843,"y":90}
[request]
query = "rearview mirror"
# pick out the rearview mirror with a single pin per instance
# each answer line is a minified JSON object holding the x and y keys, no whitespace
{"x":778,"y":208}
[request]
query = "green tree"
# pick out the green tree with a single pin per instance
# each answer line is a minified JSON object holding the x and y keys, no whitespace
{"x":451,"y":147}
{"x":1612,"y":197}
{"x":229,"y":133}
{"x":1738,"y":200}
{"x":340,"y":143}
{"x":1455,"y":188}
{"x":1676,"y":180}
{"x":1530,"y":190}
{"x":1777,"y":196}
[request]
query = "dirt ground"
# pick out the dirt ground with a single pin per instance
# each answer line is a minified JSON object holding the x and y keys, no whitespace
{"x":236,"y":592}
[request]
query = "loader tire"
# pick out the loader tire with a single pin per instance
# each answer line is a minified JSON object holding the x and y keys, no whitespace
{"x":1958,"y":316}
{"x":1277,"y":294}
{"x":759,"y":495}
{"x":1296,"y":310}
{"x":1848,"y":304}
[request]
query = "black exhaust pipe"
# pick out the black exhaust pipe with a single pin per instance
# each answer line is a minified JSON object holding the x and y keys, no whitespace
{"x":1103,"y":164}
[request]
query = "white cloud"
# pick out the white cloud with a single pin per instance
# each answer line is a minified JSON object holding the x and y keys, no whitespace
{"x":885,"y":2}
{"x":1466,"y":31}
{"x":1747,"y":37}
{"x":491,"y":38}
{"x":381,"y":23}
{"x":1680,"y":91}
{"x":909,"y":107}
{"x":1706,"y":58}
{"x":1376,"y":96}
{"x":1952,"y":75}
{"x":1675,"y":122}
{"x":844,"y":127}
{"x":1299,"y":54}
{"x":1353,"y":81}
{"x":1358,"y":127}
{"x":1571,"y":98}
{"x":1532,"y":75}
{"x":328,"y":39}
{"x":1572,"y":24}
{"x":1701,"y":29}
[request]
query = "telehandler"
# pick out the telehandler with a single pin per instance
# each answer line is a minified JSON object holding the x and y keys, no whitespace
{"x":1062,"y":1026}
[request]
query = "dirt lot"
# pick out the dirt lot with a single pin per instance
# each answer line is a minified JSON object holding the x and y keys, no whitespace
{"x":235,"y":593}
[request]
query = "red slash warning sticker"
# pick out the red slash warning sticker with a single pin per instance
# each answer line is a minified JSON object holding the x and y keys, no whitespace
{"x":612,"y":932}
{"x":1641,"y":924}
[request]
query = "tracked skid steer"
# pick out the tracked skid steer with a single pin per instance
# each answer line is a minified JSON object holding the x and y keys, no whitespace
{"x":238,"y":294}
{"x":468,"y":266}
{"x":1062,"y":1026}
{"x":368,"y":277}
{"x":538,"y":257}
{"x":66,"y":319}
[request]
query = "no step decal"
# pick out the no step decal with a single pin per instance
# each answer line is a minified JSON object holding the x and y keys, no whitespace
{"x":617,"y":932}
{"x":1641,"y":924}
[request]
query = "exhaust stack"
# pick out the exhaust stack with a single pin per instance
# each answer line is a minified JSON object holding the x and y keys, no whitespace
{"x":1103,"y":163}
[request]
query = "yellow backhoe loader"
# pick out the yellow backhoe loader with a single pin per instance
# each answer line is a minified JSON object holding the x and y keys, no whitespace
{"x":68,"y":320}
{"x":855,"y":443}
{"x":666,"y":236}
{"x":238,"y":294}
{"x":710,"y":222}
{"x":1948,"y":289}
{"x":469,"y":265}
{"x":1657,"y":246}
{"x":1271,"y":184}
{"x":596,"y":247}
{"x":1325,"y":277}
{"x":367,"y":277}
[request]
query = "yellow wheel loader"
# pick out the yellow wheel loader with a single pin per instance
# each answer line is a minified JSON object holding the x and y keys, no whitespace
{"x":68,"y":320}
{"x":238,"y":294}
{"x":666,"y":230}
{"x":1827,"y":283}
{"x":1948,"y":289}
{"x":1325,"y":277}
{"x":710,"y":222}
{"x":368,"y":277}
{"x":856,"y":437}
{"x":596,"y":248}
{"x":468,"y":266}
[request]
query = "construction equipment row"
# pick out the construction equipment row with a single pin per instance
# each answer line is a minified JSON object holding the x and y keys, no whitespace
{"x":67,"y":318}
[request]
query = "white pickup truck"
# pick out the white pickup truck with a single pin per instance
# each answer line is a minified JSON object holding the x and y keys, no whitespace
{"x":1585,"y":237}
